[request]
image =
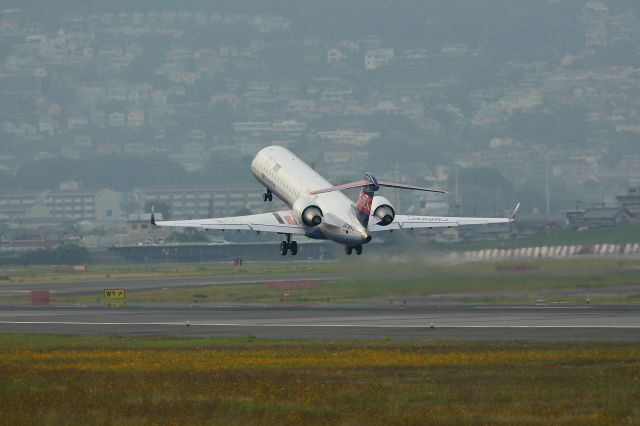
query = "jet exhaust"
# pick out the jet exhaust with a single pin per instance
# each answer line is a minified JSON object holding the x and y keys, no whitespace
{"x":312,"y":216}
{"x":385,"y":214}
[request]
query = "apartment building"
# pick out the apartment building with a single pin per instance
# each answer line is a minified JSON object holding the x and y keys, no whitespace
{"x":205,"y":201}
{"x":78,"y":204}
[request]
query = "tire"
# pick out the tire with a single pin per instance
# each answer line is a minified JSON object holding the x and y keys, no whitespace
{"x":348,"y":250}
{"x":284,"y":248}
{"x":293,"y":247}
{"x":270,"y":196}
{"x":358,"y":250}
{"x":265,"y":197}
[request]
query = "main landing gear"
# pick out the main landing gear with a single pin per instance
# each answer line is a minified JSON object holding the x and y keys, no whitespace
{"x":349,"y":250}
{"x":267,"y":196}
{"x":288,"y":245}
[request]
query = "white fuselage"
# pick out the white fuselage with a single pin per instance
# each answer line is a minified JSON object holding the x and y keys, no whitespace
{"x":289,"y":178}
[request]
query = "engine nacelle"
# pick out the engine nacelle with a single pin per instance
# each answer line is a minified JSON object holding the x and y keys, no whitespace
{"x":307,"y":211}
{"x":383,"y":211}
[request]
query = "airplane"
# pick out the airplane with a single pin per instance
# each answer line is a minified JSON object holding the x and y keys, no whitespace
{"x":319,"y":210}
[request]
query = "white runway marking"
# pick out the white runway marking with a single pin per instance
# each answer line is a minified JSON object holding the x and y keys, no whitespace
{"x":533,"y":307}
{"x":262,"y":325}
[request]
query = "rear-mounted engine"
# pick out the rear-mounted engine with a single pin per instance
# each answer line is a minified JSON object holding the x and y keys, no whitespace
{"x":308,"y":212}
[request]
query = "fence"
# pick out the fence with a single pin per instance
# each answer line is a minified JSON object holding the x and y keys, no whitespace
{"x":551,"y":252}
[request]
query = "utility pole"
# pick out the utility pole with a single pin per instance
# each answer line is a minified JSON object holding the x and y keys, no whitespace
{"x":456,"y":189}
{"x":397,"y":194}
{"x":547,"y":187}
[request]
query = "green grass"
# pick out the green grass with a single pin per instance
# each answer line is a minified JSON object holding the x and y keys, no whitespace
{"x":359,"y":291}
{"x":370,"y":281}
{"x":124,"y":381}
{"x":504,"y":282}
{"x":53,"y":274}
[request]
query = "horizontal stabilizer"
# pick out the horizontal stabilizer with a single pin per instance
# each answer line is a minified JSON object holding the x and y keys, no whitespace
{"x":415,"y":188}
{"x":356,"y":184}
{"x":375,"y":185}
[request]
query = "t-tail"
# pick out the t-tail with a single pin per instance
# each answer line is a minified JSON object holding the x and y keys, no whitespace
{"x":369,"y":187}
{"x":365,"y":200}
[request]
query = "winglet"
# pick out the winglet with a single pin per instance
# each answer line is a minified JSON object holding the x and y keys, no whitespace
{"x":153,"y":216}
{"x":514,"y":213}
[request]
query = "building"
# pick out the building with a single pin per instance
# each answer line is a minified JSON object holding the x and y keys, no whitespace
{"x":139,"y":228}
{"x":376,"y":58}
{"x":335,"y":55}
{"x":354,"y":138}
{"x":598,"y":217}
{"x":84,"y":204}
{"x":631,"y":201}
{"x":193,"y":202}
{"x":15,"y":205}
{"x":75,"y":204}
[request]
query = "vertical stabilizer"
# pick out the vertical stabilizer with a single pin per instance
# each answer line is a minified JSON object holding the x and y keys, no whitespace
{"x":363,"y":206}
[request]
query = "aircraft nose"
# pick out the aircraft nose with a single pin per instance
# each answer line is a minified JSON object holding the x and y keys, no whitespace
{"x":365,"y":237}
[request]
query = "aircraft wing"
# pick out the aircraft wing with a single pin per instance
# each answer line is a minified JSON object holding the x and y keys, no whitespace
{"x":415,"y":222}
{"x":282,"y":222}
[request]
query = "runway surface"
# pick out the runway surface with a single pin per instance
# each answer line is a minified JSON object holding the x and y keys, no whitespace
{"x":539,"y":323}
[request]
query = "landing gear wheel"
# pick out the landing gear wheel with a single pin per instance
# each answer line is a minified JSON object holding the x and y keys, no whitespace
{"x":270,"y":196}
{"x":265,"y":197}
{"x":358,"y":250}
{"x":348,"y":250}
{"x":284,"y":248}
{"x":293,"y":247}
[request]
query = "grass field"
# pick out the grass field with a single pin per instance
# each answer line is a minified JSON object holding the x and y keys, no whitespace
{"x":478,"y":289}
{"x":482,"y":282}
{"x":67,"y":380}
{"x":515,"y":281}
{"x":53,"y":274}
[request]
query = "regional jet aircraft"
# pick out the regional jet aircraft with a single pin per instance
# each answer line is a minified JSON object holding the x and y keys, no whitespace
{"x":319,"y":210}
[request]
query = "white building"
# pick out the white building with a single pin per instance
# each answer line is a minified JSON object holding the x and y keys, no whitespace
{"x":377,"y":58}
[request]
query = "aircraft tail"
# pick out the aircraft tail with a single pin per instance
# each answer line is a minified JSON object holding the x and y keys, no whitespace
{"x":372,"y":182}
{"x":363,"y":206}
{"x":369,"y":186}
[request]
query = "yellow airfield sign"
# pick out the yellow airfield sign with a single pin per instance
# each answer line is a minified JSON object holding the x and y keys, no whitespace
{"x":115,"y":297}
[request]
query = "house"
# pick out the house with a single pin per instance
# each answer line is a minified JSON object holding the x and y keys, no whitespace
{"x":376,"y":58}
{"x":116,"y":119}
{"x":631,"y":202}
{"x":335,"y":55}
{"x":355,"y":138}
{"x":139,"y":228}
{"x":135,"y":118}
{"x":77,"y":122}
{"x":598,"y":217}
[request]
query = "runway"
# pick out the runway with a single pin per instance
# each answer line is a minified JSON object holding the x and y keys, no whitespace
{"x":535,"y":323}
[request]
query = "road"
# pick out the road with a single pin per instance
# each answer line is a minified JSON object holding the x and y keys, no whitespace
{"x":535,"y":323}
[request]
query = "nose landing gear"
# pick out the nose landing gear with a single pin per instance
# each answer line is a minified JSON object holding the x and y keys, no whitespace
{"x":267,"y":196}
